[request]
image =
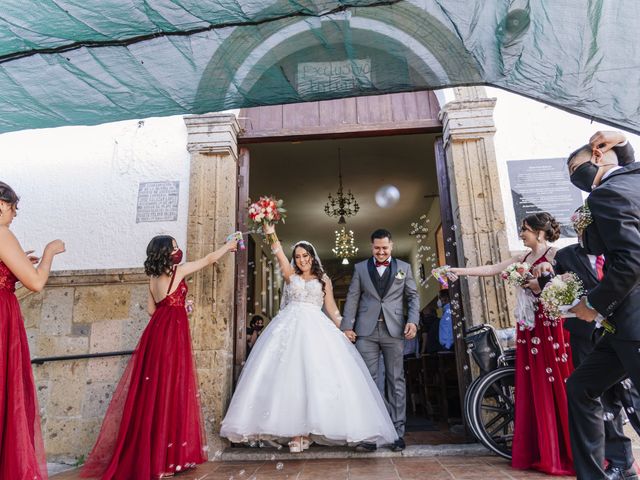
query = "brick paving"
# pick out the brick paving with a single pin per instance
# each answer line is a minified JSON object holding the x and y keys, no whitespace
{"x":395,"y":468}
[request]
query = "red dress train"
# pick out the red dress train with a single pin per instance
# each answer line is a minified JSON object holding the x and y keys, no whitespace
{"x":22,"y":454}
{"x":153,"y":426}
{"x":543,"y":363}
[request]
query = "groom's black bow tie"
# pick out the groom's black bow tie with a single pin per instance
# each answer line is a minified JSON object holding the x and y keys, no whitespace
{"x":382,"y":264}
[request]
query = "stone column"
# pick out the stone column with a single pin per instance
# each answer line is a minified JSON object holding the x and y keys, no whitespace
{"x":212,"y":142}
{"x":477,"y":204}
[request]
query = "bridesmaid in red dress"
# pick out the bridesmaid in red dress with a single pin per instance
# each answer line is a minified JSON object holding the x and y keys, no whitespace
{"x":21,"y":448}
{"x":153,"y":427}
{"x":543,"y":362}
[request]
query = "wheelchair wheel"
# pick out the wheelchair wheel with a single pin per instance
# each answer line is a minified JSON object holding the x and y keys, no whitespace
{"x":492,"y":408}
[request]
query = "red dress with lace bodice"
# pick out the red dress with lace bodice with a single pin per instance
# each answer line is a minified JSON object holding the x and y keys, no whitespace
{"x":21,"y":449}
{"x":543,"y":363}
{"x":153,"y":426}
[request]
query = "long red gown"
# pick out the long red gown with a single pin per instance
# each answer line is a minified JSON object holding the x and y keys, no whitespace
{"x":543,"y":363}
{"x":22,"y":454}
{"x":153,"y":426}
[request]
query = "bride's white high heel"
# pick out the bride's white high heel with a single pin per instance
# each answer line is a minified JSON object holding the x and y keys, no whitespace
{"x":306,"y":443}
{"x":295,"y":446}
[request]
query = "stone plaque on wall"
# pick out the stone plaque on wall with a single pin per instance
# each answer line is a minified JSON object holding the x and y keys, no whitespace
{"x":543,"y":186}
{"x":158,"y":202}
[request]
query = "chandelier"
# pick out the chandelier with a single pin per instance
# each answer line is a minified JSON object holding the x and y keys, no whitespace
{"x":342,"y":205}
{"x":345,"y":247}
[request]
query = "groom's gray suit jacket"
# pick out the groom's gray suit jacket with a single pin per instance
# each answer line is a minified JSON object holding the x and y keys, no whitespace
{"x":372,"y":297}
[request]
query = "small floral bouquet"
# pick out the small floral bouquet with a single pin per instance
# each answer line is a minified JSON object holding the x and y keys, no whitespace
{"x":561,"y":294}
{"x":517,"y":274}
{"x":581,"y":219}
{"x":440,"y":274}
{"x":267,"y":210}
{"x":188,"y":306}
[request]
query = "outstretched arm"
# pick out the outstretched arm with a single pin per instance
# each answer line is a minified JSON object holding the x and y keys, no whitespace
{"x":18,"y":262}
{"x":190,"y":267}
{"x":484,"y":270}
{"x":276,"y":248}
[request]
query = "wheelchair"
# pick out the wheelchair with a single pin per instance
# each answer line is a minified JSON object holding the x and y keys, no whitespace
{"x":489,"y":405}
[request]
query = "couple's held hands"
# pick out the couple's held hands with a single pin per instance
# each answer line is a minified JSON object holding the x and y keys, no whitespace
{"x":351,"y":335}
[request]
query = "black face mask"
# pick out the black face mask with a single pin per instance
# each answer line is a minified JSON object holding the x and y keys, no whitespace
{"x":584,"y":176}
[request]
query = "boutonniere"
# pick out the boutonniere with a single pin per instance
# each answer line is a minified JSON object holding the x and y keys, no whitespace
{"x":581,"y":219}
{"x":400,"y":275}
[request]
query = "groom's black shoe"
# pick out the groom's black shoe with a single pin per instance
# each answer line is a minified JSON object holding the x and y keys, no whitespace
{"x":366,"y":447}
{"x":617,"y":473}
{"x":398,"y":445}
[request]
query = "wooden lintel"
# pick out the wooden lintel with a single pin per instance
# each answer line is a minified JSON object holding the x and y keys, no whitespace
{"x":340,"y":131}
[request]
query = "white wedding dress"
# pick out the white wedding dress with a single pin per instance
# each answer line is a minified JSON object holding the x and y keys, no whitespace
{"x":304,"y":377}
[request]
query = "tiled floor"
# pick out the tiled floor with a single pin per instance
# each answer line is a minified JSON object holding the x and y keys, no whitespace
{"x":398,"y":468}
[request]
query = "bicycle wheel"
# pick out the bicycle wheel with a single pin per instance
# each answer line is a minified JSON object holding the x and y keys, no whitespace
{"x":468,"y":407}
{"x":493,"y":410}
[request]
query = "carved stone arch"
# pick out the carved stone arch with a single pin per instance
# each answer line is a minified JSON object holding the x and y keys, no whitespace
{"x":408,"y":32}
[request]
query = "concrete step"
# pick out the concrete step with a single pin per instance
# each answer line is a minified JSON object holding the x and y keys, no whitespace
{"x":321,"y":452}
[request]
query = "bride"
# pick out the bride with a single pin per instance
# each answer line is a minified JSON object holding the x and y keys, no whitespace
{"x":304,"y":381}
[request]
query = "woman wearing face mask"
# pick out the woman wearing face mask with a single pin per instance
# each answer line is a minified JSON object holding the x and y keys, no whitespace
{"x":21,"y":448}
{"x":304,"y":380}
{"x":543,"y":362}
{"x":153,"y":426}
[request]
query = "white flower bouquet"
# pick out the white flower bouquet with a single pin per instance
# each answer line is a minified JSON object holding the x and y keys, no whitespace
{"x":561,"y":294}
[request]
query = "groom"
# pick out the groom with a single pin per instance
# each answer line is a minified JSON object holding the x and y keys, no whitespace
{"x":381,"y":290}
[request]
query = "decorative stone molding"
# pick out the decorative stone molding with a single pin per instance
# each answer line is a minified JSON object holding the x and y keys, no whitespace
{"x":477,"y":204}
{"x":213,"y":133}
{"x":212,"y":216}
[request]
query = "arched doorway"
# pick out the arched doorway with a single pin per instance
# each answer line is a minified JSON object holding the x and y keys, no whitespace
{"x":394,"y":122}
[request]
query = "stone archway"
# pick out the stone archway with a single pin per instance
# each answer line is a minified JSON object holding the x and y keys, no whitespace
{"x":409,"y":32}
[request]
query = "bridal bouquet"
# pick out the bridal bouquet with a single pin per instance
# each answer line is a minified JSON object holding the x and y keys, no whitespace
{"x":266,"y":211}
{"x":560,"y":294}
{"x":517,"y":274}
{"x":440,"y":274}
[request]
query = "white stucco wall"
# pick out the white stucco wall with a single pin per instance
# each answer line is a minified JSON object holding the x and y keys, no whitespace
{"x":80,"y":184}
{"x":527,"y":130}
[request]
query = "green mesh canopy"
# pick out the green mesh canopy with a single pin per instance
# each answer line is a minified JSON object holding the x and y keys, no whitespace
{"x":68,"y":62}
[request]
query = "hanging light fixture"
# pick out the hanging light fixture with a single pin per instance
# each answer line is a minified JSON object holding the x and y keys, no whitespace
{"x":341,"y":205}
{"x":345,"y":247}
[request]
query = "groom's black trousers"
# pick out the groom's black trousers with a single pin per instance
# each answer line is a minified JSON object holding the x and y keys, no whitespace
{"x":611,"y":361}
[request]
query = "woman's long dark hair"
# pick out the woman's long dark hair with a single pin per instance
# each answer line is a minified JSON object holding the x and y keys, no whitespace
{"x":159,"y":256}
{"x":316,"y":269}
